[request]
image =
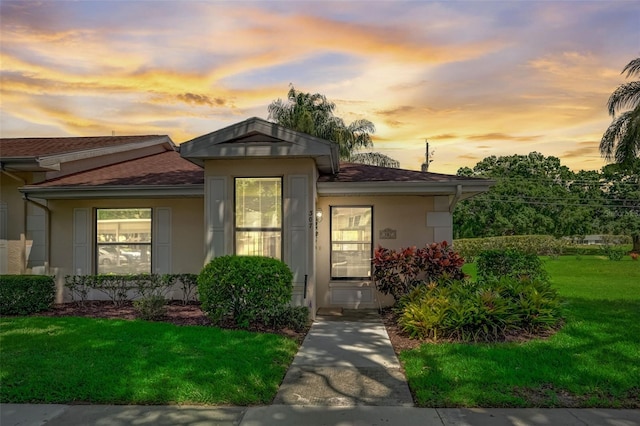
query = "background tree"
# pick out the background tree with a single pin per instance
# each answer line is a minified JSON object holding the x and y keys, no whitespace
{"x":622,"y":193}
{"x":621,"y":141}
{"x":535,"y":194}
{"x":314,"y":114}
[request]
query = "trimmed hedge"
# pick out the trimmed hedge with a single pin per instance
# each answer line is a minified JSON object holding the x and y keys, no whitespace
{"x":245,"y":289}
{"x":26,"y":294}
{"x":495,"y":264}
{"x":541,"y":245}
{"x":120,"y":288}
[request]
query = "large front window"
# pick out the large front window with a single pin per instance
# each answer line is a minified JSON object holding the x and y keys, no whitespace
{"x":123,"y":241}
{"x":351,"y":242}
{"x":258,"y":217}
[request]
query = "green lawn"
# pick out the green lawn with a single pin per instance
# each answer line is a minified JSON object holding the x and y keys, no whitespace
{"x":594,"y":361}
{"x":66,"y":360}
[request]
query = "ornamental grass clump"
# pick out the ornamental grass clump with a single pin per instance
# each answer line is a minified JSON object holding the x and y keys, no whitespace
{"x":512,"y":296}
{"x":486,"y":311}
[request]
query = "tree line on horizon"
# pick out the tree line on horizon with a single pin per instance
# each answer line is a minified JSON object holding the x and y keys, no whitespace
{"x":534,"y":194}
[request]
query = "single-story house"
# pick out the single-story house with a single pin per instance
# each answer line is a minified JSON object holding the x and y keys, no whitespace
{"x":88,"y":205}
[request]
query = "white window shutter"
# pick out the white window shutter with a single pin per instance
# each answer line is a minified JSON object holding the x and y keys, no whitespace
{"x":215,"y":210}
{"x":299,"y":220}
{"x":82,"y":241}
{"x":4,"y":232}
{"x":161,"y":241}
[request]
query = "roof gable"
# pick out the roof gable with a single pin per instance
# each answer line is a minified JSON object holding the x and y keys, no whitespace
{"x":258,"y":138}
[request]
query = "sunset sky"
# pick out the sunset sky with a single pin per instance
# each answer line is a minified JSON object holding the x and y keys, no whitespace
{"x":475,"y":78}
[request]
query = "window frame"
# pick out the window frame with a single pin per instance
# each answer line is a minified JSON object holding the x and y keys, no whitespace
{"x":97,"y":244}
{"x":237,"y":229}
{"x":331,"y":242}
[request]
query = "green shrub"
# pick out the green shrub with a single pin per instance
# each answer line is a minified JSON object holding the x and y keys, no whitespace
{"x":398,"y":272}
{"x":286,"y":316}
{"x":510,"y":263}
{"x":542,"y":245}
{"x":26,"y":294}
{"x":79,"y":286}
{"x":244,"y":288}
{"x":120,"y":288}
{"x":480,"y":311}
{"x":151,"y":308}
{"x":188,"y":285}
{"x":612,"y":253}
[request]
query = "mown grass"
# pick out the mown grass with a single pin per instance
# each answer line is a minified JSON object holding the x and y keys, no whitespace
{"x":78,"y":360}
{"x":593,"y":361}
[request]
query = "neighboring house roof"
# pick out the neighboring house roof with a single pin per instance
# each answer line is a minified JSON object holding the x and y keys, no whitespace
{"x":42,"y":154}
{"x":42,"y":147}
{"x":361,"y":179}
{"x":163,"y":174}
{"x":258,"y":138}
{"x":159,"y":170}
{"x":354,"y":172}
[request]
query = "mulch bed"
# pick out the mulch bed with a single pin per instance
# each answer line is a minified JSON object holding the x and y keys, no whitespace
{"x":190,"y":314}
{"x":177,"y":313}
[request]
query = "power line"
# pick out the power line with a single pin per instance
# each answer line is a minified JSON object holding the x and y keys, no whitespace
{"x":562,"y":204}
{"x":560,"y":182}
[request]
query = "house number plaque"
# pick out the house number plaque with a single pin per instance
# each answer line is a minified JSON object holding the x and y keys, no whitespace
{"x":387,"y":234}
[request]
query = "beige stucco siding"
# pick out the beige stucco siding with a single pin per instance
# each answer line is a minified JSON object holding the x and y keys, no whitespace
{"x":23,"y":226}
{"x":406,"y":215}
{"x":298,"y":188}
{"x":187,"y":230}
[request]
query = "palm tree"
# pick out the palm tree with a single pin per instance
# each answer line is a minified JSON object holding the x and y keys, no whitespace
{"x":621,"y":141}
{"x":313,"y":114}
{"x":374,"y":159}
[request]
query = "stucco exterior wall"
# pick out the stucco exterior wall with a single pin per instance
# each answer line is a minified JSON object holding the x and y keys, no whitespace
{"x":187,"y":229}
{"x":406,"y":215}
{"x":298,"y":214}
{"x":18,"y":226}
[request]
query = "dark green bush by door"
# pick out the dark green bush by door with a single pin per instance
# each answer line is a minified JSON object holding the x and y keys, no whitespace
{"x":244,"y":288}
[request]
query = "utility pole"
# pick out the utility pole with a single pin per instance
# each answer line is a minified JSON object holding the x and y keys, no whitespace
{"x":425,"y":165}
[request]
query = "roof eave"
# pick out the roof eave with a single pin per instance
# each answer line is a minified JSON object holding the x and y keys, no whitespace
{"x":50,"y":160}
{"x":113,"y":191}
{"x":26,"y":164}
{"x":469,"y":188}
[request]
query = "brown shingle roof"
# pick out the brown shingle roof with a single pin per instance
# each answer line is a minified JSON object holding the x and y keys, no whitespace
{"x":41,"y":147}
{"x":351,"y":172}
{"x":166,"y":168}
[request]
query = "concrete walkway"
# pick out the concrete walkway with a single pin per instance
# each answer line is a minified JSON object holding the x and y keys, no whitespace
{"x":345,"y":374}
{"x":346,"y":360}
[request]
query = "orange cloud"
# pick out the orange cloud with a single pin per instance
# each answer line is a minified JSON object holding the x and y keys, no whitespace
{"x":501,"y":136}
{"x":589,"y":148}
